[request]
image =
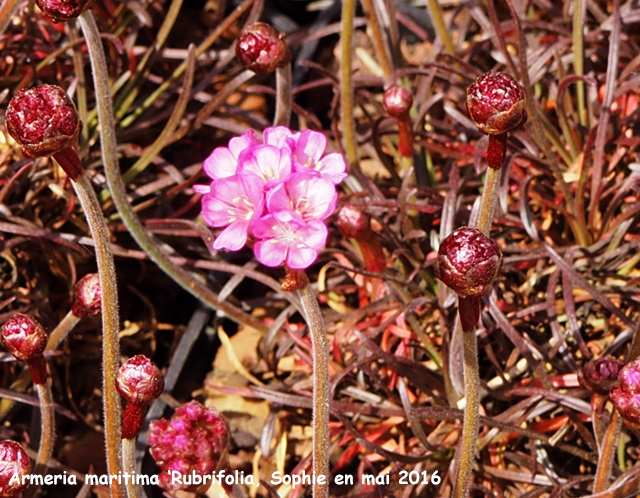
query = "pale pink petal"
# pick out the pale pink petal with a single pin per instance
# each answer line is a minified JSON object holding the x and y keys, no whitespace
{"x":243,"y":142}
{"x":237,"y":198}
{"x":301,"y":257}
{"x":333,"y":167}
{"x":220,"y":164}
{"x":270,"y":252}
{"x":202,"y":189}
{"x":269,"y":163}
{"x":309,"y":147}
{"x":306,"y":193}
{"x":232,"y":238}
{"x":279,"y":136}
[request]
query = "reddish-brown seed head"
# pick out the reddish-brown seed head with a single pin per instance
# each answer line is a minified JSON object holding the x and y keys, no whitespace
{"x":397,"y":101}
{"x":43,"y":121}
{"x":14,"y":461}
{"x":62,"y":10}
{"x":496,"y":103}
{"x":262,"y":49}
{"x":88,"y":296}
{"x":139,"y":380}
{"x":468,"y":262}
{"x":24,"y":337}
{"x":626,"y":396}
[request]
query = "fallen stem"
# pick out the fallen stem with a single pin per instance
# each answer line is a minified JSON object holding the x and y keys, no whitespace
{"x":129,"y":464}
{"x":47,"y":434}
{"x":282,"y":115}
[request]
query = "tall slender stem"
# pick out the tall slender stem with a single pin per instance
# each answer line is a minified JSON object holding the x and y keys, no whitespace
{"x":47,"y":435}
{"x":441,"y":27}
{"x":321,"y":391}
{"x":489,"y":199}
{"x":118,"y":192}
{"x":282,"y":115}
{"x":129,"y":464}
{"x":377,"y":37}
{"x":110,"y":326}
{"x":346,"y":83}
{"x":470,"y":421}
{"x":603,"y":471}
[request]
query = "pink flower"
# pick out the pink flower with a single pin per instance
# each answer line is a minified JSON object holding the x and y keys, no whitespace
{"x":233,"y":203}
{"x":280,"y":136}
{"x":287,"y":239}
{"x":311,"y":197}
{"x":223,"y":161}
{"x":271,"y":164}
{"x":308,"y":155}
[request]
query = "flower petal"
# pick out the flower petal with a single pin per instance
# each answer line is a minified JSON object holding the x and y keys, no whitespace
{"x":270,"y":252}
{"x":243,"y":142}
{"x":220,"y":164}
{"x":232,"y":238}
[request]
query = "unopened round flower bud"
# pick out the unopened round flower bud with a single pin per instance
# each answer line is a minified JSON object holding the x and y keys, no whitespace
{"x":14,"y":462}
{"x":496,"y":103}
{"x":24,"y":337}
{"x":262,"y":49}
{"x":601,"y":375}
{"x":43,"y":121}
{"x":626,"y":396}
{"x":354,"y":222}
{"x":88,"y":296}
{"x":63,"y":10}
{"x":397,"y":101}
{"x":468,"y":262}
{"x":139,"y":380}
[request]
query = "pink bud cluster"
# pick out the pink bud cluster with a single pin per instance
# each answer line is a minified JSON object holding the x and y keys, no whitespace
{"x":274,"y":194}
{"x":195,"y":439}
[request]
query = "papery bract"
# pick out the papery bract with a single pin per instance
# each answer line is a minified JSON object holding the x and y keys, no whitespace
{"x":284,"y":239}
{"x":311,"y":197}
{"x":233,"y":203}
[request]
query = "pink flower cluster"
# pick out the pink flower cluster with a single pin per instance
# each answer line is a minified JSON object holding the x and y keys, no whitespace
{"x":273,"y":192}
{"x":194,"y":440}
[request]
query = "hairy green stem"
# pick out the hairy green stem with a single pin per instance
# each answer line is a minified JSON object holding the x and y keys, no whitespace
{"x":118,"y":192}
{"x":47,"y":434}
{"x":129,"y":464}
{"x":469,"y":436}
{"x":489,"y":200}
{"x":282,"y":116}
{"x":346,"y":83}
{"x":110,"y":326}
{"x":321,"y":389}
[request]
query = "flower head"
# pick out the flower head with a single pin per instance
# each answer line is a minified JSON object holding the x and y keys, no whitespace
{"x":43,"y":120}
{"x":468,"y":262}
{"x":284,"y":238}
{"x":496,"y":103}
{"x":601,"y":375}
{"x":24,"y":337}
{"x":14,"y":461}
{"x":234,"y":203}
{"x":63,"y":10}
{"x":626,"y":396}
{"x":139,"y":380}
{"x":397,"y":101}
{"x":88,"y":296}
{"x":262,"y":49}
{"x":195,"y":439}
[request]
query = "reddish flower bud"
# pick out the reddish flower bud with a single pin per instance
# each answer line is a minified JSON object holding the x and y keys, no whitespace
{"x":43,"y":120}
{"x":496,"y":103}
{"x":626,"y":396}
{"x":397,"y":101}
{"x":194,"y":440}
{"x":601,"y":375}
{"x":14,"y":461}
{"x":88,"y":296}
{"x":353,"y":222}
{"x":24,"y":337}
{"x":62,"y":10}
{"x":262,"y":49}
{"x":468,"y":262}
{"x":139,"y":380}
